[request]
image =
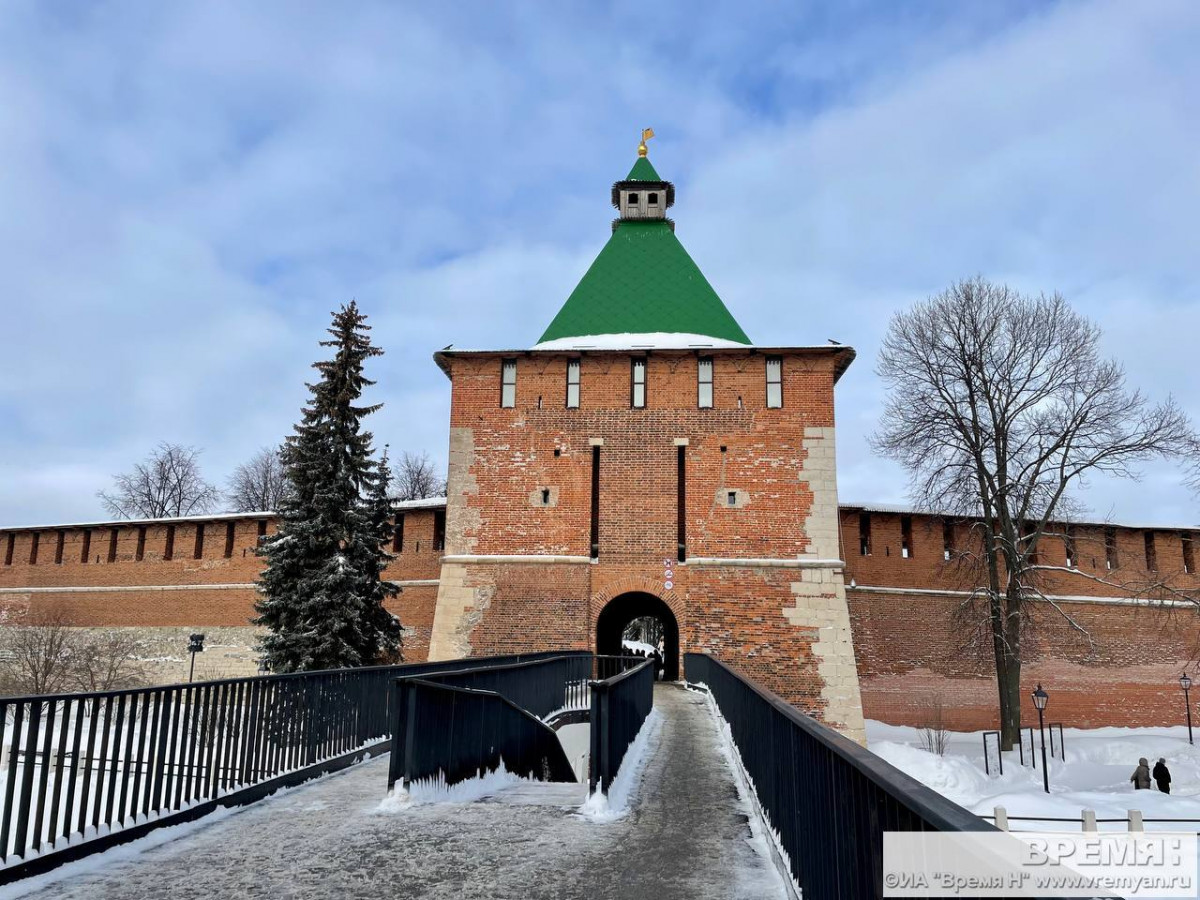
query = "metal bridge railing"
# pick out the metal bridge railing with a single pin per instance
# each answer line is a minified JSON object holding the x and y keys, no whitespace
{"x":458,"y":724}
{"x":619,"y":708}
{"x":89,"y":769}
{"x":828,"y":800}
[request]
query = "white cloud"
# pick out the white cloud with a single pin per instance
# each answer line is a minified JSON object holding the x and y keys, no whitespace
{"x":189,"y":191}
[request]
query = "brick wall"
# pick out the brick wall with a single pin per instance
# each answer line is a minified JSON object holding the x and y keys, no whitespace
{"x":164,"y":600}
{"x":520,"y":483}
{"x":912,"y":652}
{"x":779,"y":624}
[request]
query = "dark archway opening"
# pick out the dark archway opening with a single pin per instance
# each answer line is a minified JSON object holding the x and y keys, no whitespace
{"x":632,"y":609}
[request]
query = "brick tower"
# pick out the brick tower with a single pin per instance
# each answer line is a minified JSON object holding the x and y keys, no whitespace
{"x":645,"y":459}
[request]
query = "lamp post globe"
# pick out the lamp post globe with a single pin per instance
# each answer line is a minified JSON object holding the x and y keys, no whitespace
{"x":1186,"y":684}
{"x":1040,"y":699}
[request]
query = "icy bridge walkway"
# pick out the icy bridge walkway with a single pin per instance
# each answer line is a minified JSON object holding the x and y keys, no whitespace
{"x":687,"y":835}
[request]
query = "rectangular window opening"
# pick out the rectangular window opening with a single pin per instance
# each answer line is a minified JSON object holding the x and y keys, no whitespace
{"x":113,"y":537}
{"x":704,"y":377}
{"x":594,"y":538}
{"x":637,"y":397}
{"x":439,"y":530}
{"x":398,"y":534}
{"x":1031,"y":549}
{"x":8,"y":550}
{"x":86,"y":550}
{"x":681,"y":500}
{"x":1189,"y":553}
{"x":906,"y":537}
{"x":262,"y":530}
{"x":947,"y":540}
{"x":1070,"y":547}
{"x":58,"y":547}
{"x":230,"y":537}
{"x":198,"y":550}
{"x":864,"y":534}
{"x":545,"y":496}
{"x":508,"y":383}
{"x":169,"y":547}
{"x":572,"y":384}
{"x":774,"y":382}
{"x":1151,"y":553}
{"x":35,"y":541}
{"x":731,"y":498}
{"x":1110,"y":548}
{"x":140,"y":554}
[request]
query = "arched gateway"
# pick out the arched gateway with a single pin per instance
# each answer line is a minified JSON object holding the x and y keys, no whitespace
{"x":623,"y":610}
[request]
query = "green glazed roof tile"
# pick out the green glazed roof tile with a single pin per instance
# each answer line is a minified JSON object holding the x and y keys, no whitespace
{"x":642,"y":171}
{"x":644,"y":282}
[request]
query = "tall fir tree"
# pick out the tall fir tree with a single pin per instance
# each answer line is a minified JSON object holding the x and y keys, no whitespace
{"x":321,"y":592}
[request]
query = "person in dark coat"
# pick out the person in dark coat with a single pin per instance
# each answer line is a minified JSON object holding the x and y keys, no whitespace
{"x":1162,"y":776}
{"x":1141,"y":776}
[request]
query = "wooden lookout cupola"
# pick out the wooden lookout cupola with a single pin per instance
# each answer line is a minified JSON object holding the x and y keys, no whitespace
{"x":642,"y":194}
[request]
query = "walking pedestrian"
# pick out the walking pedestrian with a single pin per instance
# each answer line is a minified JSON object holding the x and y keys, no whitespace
{"x":1141,"y":776}
{"x":1162,"y":776}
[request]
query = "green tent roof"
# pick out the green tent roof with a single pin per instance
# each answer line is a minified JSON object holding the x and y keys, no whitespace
{"x":642,"y":171}
{"x":644,"y":282}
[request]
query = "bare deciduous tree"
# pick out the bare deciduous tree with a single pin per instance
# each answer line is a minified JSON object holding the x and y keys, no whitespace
{"x":48,"y":654}
{"x":107,"y":661}
{"x":934,"y":735}
{"x":1000,"y":405}
{"x":416,"y":478}
{"x":35,"y":655}
{"x":167,"y":483}
{"x":259,"y":484}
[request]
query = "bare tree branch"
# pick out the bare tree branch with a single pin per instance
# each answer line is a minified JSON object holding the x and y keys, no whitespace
{"x":416,"y":478}
{"x":260,"y":484}
{"x":1000,"y":406}
{"x":167,"y":483}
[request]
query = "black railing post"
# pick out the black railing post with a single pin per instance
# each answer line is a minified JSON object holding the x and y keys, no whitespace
{"x":410,"y":733}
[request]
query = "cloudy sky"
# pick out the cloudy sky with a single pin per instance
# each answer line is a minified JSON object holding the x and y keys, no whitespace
{"x":186,"y":190}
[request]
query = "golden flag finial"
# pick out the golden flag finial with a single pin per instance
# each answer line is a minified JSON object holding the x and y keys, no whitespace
{"x":647,"y":133}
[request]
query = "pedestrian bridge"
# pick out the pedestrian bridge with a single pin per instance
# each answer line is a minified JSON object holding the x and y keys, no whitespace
{"x":726,"y":792}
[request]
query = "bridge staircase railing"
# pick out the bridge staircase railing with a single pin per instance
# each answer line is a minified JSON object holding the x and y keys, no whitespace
{"x":620,"y":705}
{"x":458,"y":724}
{"x":827,"y":799}
{"x":82,"y":772}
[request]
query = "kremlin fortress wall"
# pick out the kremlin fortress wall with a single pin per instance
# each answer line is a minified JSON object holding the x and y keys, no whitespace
{"x":902,"y":597}
{"x":645,"y":458}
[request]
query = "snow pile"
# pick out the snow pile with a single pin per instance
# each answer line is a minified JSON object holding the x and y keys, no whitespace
{"x":600,"y":807}
{"x":763,"y":837}
{"x":639,"y":647}
{"x":1094,"y":776}
{"x":435,"y":790}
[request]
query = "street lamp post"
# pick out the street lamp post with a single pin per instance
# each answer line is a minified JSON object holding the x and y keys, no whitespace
{"x":195,"y":645}
{"x":1186,"y":684}
{"x":1039,"y":700}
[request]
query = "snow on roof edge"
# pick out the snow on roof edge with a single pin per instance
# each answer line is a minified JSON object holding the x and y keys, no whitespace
{"x":655,"y":340}
{"x":426,"y":503}
{"x":902,"y":510}
{"x":166,"y":520}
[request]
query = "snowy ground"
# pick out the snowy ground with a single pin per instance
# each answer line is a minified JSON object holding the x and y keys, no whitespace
{"x":687,"y":834}
{"x":1094,"y":776}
